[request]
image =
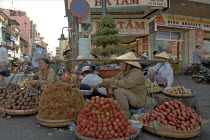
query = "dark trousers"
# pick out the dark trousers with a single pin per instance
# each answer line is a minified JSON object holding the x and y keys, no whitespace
{"x":95,"y":91}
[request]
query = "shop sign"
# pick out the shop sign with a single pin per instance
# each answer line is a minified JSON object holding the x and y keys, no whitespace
{"x":186,"y":22}
{"x":12,"y":38}
{"x":112,"y":4}
{"x":128,"y":26}
{"x":200,"y":37}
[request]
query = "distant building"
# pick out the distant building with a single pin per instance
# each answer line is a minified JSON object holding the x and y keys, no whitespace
{"x":63,"y":45}
{"x":10,"y":33}
{"x":57,"y":51}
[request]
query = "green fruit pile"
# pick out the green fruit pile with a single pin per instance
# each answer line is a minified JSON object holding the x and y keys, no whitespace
{"x":152,"y":87}
{"x":179,"y":90}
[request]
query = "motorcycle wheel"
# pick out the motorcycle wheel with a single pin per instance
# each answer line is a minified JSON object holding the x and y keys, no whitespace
{"x":197,"y":79}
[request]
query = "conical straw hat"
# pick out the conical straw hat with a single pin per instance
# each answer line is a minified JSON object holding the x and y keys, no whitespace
{"x":163,"y":55}
{"x":39,"y":43}
{"x":131,"y":56}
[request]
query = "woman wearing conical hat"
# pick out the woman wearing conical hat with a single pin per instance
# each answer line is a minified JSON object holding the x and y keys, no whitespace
{"x":129,"y":85}
{"x":162,"y":72}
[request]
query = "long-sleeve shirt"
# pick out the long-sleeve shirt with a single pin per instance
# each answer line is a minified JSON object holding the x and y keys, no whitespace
{"x":79,"y":70}
{"x":48,"y":78}
{"x":92,"y":79}
{"x":3,"y":54}
{"x":134,"y":81}
{"x":38,"y":54}
{"x":165,"y":70}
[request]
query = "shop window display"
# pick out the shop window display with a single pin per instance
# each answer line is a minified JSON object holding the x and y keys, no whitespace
{"x":169,"y":42}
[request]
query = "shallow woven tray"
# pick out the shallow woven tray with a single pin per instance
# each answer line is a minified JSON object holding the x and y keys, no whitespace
{"x":53,"y":123}
{"x":19,"y":112}
{"x":171,"y":133}
{"x":178,"y":95}
{"x":154,"y":92}
{"x":166,"y":132}
{"x":132,"y":137}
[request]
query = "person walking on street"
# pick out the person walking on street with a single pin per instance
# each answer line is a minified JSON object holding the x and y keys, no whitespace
{"x":40,"y":53}
{"x":3,"y":60}
{"x":197,"y":55}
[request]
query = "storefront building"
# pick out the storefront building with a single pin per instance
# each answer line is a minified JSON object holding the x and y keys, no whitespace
{"x":131,"y":18}
{"x":183,"y":33}
{"x":150,"y":25}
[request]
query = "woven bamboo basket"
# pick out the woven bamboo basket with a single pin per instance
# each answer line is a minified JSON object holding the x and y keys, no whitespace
{"x":19,"y":112}
{"x":132,"y":137}
{"x":171,"y":133}
{"x":178,"y":95}
{"x":154,"y":92}
{"x":166,"y":132}
{"x":54,"y":123}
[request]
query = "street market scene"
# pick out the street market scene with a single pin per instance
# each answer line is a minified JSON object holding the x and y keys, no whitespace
{"x":104,"y":69}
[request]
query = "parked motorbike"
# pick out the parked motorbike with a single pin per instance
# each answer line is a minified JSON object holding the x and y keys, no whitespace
{"x":201,"y":71}
{"x":188,"y":70}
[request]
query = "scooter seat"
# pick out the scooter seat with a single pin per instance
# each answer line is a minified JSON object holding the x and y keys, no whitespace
{"x":206,"y":62}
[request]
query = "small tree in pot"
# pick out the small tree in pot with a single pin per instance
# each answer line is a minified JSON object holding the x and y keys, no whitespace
{"x":106,"y":40}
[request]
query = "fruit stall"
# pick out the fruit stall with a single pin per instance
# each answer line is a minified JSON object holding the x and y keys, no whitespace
{"x":61,"y":105}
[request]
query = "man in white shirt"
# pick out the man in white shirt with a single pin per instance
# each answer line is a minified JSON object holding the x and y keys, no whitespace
{"x":3,"y":60}
{"x":89,"y":80}
{"x":39,"y":53}
{"x":162,"y":72}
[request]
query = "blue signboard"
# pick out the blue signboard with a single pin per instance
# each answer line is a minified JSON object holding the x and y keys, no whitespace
{"x":12,"y":38}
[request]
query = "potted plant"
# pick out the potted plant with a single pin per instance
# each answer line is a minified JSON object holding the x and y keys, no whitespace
{"x":106,"y":41}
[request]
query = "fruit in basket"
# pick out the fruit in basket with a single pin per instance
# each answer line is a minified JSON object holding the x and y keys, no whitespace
{"x":152,"y":87}
{"x":13,"y":97}
{"x":60,"y":102}
{"x":102,"y":118}
{"x":24,"y":84}
{"x":173,"y":114}
{"x":179,"y":90}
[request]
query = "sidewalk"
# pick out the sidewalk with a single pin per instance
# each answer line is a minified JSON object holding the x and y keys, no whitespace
{"x":26,"y":128}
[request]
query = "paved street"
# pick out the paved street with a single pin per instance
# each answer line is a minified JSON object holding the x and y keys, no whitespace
{"x":25,"y":127}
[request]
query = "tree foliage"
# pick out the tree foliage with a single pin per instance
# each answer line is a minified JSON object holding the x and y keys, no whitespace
{"x":107,"y":32}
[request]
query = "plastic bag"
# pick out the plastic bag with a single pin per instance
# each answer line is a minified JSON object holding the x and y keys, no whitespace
{"x":5,"y":71}
{"x":72,"y":127}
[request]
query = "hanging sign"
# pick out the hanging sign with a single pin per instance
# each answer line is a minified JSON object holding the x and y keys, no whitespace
{"x":12,"y":38}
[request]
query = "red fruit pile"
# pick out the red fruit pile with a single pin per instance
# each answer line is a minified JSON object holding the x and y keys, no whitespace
{"x":102,"y":118}
{"x":175,"y":115}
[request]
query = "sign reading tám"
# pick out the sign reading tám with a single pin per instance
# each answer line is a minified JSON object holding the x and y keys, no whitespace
{"x":128,"y":26}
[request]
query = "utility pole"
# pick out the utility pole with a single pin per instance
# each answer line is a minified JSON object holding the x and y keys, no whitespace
{"x":73,"y":34}
{"x":103,"y":7}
